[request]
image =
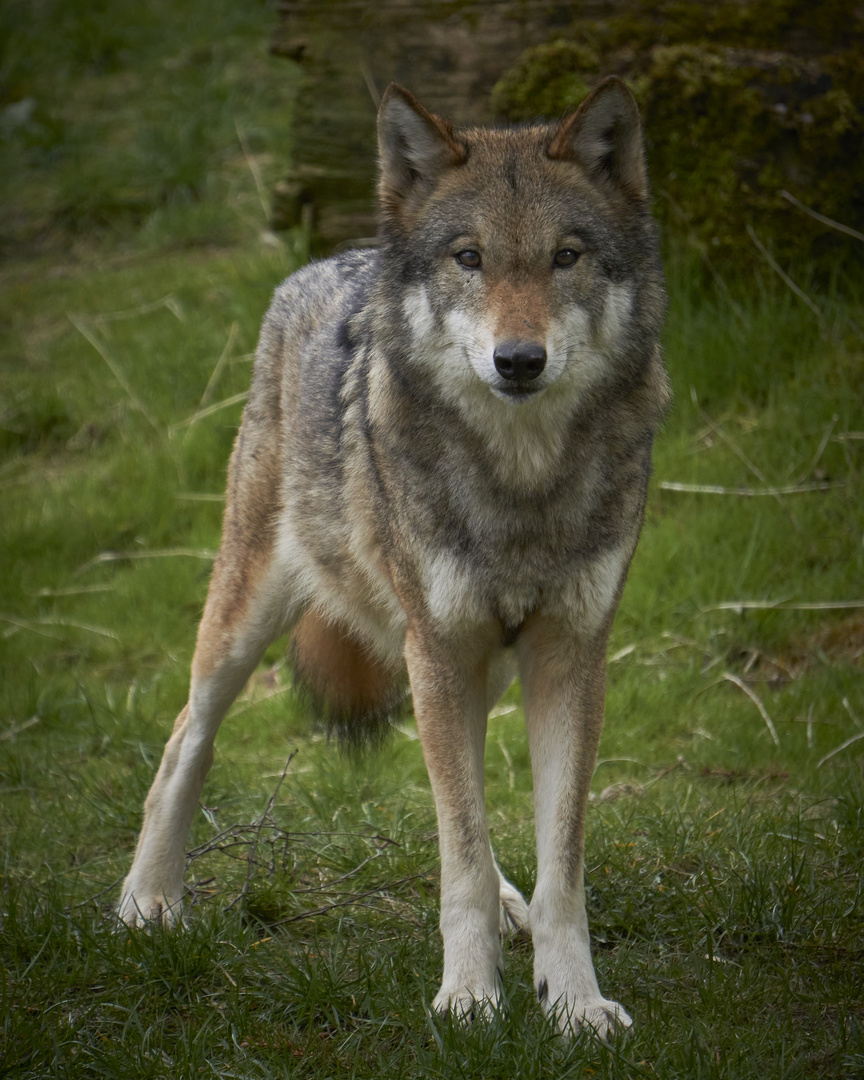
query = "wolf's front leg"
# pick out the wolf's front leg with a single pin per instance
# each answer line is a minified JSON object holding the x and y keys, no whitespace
{"x":563,"y":682}
{"x":449,"y":689}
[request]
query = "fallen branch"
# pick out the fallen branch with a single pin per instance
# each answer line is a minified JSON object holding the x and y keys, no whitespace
{"x":775,"y":266}
{"x":252,"y":165}
{"x":842,"y":746}
{"x":154,"y":553}
{"x":170,"y":302}
{"x":346,"y":903}
{"x":35,"y":624}
{"x":220,"y":364}
{"x":820,"y":450}
{"x":74,"y":590}
{"x":505,"y":753}
{"x":250,"y":836}
{"x":265,"y":832}
{"x":769,"y":723}
{"x":201,"y":413}
{"x":713,"y":489}
{"x":100,"y":892}
{"x":239,"y":707}
{"x":115,"y":370}
{"x":265,"y":820}
{"x":830,"y":222}
{"x":739,"y":453}
{"x":16,"y":729}
{"x":327,"y":885}
{"x":785,"y":605}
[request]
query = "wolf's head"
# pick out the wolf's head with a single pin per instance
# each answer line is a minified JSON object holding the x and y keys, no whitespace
{"x":524,"y":258}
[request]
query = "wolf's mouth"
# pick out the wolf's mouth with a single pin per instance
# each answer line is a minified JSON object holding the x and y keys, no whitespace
{"x":518,"y":393}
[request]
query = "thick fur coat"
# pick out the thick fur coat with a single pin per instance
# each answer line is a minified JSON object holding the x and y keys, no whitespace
{"x":441,"y":473}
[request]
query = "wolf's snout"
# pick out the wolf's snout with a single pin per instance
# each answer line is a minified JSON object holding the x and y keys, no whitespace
{"x":519,"y":360}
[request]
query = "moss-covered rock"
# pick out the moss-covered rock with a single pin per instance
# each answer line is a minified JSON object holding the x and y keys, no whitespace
{"x":545,"y":80}
{"x":731,"y":121}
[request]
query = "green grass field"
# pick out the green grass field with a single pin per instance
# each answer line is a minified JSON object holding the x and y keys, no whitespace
{"x":725,"y":836}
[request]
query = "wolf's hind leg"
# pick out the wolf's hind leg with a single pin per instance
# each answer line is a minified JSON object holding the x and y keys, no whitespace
{"x":513,"y":912}
{"x":230,"y":644}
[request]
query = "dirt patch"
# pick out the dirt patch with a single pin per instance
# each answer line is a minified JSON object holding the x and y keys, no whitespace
{"x":839,"y":643}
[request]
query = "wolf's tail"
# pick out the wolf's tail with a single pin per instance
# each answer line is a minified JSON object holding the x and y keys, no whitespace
{"x":350,"y":689}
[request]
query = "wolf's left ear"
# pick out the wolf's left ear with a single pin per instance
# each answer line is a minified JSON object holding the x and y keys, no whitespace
{"x":605,"y":136}
{"x":414,"y":148}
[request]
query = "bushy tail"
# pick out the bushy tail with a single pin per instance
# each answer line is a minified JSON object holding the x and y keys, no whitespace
{"x":353,"y":691}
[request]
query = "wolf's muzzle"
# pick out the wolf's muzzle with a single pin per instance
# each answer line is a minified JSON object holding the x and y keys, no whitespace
{"x":519,"y":361}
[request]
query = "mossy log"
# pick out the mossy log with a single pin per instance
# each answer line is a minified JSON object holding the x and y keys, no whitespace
{"x":450,"y":54}
{"x":742,"y":100}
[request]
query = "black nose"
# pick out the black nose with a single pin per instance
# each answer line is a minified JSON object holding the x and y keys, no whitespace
{"x":519,"y":360}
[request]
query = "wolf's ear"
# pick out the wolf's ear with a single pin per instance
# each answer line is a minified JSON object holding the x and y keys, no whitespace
{"x":605,"y":136}
{"x":414,"y":148}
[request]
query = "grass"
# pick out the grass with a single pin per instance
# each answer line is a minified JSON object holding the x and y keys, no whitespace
{"x":724,"y":867}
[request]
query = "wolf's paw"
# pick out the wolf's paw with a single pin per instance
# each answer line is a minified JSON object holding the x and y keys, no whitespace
{"x":598,"y":1016}
{"x":138,"y":908}
{"x":514,"y":915}
{"x":466,"y":1004}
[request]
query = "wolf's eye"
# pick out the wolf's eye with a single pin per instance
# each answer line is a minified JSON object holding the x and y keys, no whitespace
{"x":469,"y":258}
{"x":565,"y":257}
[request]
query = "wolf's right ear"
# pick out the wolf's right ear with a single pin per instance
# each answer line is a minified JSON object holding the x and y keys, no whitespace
{"x":414,"y":148}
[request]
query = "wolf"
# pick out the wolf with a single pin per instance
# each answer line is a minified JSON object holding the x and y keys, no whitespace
{"x":441,"y":473}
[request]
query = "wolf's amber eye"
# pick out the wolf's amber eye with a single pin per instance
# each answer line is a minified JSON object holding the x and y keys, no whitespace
{"x":471,"y":259}
{"x":565,"y":257}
